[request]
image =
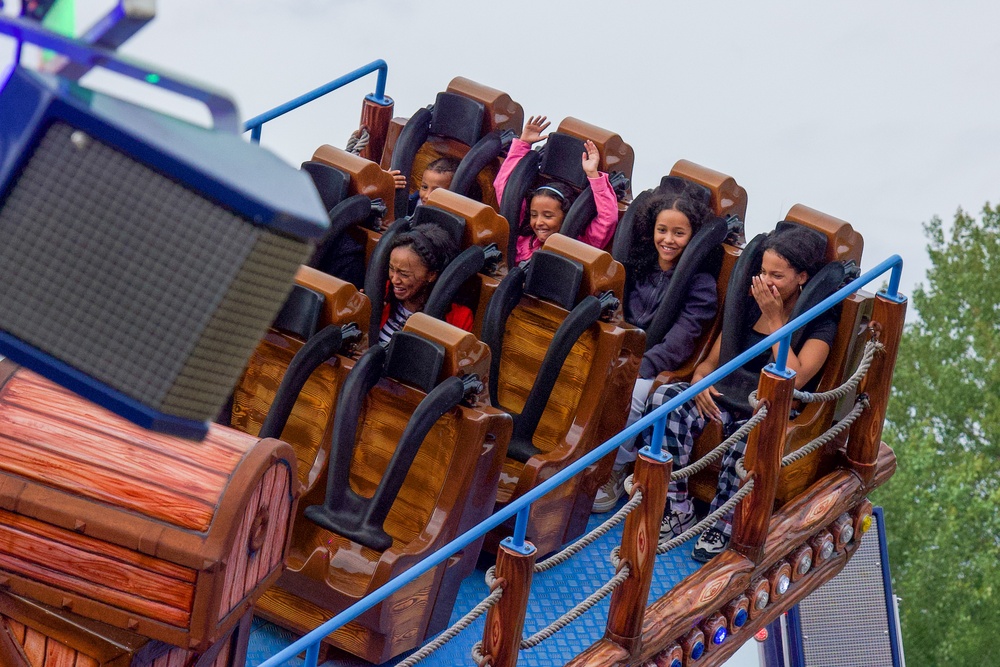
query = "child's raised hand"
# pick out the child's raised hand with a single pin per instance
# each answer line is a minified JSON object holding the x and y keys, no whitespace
{"x":533,"y":129}
{"x":398,"y":179}
{"x":591,"y":158}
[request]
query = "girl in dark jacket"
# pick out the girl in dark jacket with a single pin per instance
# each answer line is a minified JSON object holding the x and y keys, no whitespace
{"x":664,"y":227}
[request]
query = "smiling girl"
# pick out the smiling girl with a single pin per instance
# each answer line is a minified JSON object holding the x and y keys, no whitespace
{"x":664,"y":225}
{"x":547,"y":204}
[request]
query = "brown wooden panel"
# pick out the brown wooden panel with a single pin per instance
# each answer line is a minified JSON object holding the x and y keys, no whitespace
{"x":616,"y":155}
{"x":367,"y":178}
{"x":502,"y":113}
{"x":728,"y":197}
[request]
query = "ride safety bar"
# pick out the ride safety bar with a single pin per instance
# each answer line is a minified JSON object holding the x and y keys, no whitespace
{"x":255,"y":124}
{"x":520,"y":507}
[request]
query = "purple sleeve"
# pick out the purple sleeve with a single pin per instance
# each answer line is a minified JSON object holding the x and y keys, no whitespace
{"x":599,"y":232}
{"x":700,"y":305}
{"x":518,"y":149}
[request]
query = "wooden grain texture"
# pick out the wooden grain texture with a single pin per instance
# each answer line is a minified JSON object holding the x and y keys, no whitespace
{"x":638,"y":551}
{"x":505,"y":620}
{"x":56,"y":438}
{"x":765,"y":447}
{"x":866,"y":432}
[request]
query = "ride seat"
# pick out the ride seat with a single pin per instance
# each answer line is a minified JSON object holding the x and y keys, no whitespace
{"x":368,"y":179}
{"x":559,"y":159}
{"x":559,"y":367}
{"x":461,"y":124}
{"x":415,"y":459}
{"x":313,"y":335}
{"x":844,"y":247}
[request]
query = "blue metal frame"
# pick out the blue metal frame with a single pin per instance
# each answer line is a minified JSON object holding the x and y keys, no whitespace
{"x":255,"y":124}
{"x":222,"y":109}
{"x":890,"y":606}
{"x":521,"y":506}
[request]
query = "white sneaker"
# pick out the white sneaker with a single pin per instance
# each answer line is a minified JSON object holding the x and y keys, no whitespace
{"x":607,"y":496}
{"x":674,"y":524}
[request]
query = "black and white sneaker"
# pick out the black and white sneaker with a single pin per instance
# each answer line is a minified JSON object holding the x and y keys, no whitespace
{"x":675,"y":523}
{"x":710,"y":544}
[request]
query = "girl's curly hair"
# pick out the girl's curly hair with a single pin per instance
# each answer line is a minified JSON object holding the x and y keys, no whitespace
{"x":642,"y":257}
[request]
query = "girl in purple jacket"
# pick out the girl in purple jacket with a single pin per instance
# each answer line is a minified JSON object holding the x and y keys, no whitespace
{"x":548,"y":204}
{"x":663,"y":228}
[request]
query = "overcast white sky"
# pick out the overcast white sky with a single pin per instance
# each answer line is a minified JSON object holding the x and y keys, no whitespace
{"x":882,"y":114}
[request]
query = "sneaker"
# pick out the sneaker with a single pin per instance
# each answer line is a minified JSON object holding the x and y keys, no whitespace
{"x":710,"y":544}
{"x":607,"y":496}
{"x":674,"y":523}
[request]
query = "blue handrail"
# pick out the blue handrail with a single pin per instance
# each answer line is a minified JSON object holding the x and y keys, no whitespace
{"x":254,"y":124}
{"x":656,"y":419}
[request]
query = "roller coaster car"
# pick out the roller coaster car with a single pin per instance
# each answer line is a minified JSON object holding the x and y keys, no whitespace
{"x":469,"y":122}
{"x":559,"y":159}
{"x":844,"y":245}
{"x":415,"y":458}
{"x":474,"y":227}
{"x":564,"y":373}
{"x":291,"y":384}
{"x":364,"y":178}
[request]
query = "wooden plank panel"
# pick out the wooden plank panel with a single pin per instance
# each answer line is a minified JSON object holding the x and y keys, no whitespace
{"x":29,"y":390}
{"x":76,"y":540}
{"x":34,"y":647}
{"x":236,"y":567}
{"x":103,"y":485}
{"x":116,"y":598}
{"x":25,"y":549}
{"x":131,"y":461}
{"x":58,"y":654}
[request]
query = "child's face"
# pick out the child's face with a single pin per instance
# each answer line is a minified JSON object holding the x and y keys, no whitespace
{"x":671,"y":234}
{"x":431,"y":181}
{"x":775,"y":271}
{"x":408,"y":275}
{"x":545,"y":216}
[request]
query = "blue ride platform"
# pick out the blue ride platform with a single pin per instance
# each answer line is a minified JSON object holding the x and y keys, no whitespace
{"x":553,"y":593}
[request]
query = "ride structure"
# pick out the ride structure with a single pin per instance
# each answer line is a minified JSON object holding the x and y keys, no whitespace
{"x":348,"y":490}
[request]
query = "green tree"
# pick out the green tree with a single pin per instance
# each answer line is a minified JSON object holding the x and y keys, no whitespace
{"x":943,"y":505}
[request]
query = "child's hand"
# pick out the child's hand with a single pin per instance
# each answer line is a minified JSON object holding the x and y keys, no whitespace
{"x":533,"y":129}
{"x":591,"y":159}
{"x":398,"y":179}
{"x":769,"y":301}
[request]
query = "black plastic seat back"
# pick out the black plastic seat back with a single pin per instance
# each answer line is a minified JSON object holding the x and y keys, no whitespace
{"x":554,"y":278}
{"x":484,"y":153}
{"x":448,"y":221}
{"x":331,"y":183}
{"x":414,"y":360}
{"x":561,"y":159}
{"x":457,"y":117}
{"x":301,"y":313}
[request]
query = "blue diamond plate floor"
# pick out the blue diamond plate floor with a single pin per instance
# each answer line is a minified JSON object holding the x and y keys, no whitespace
{"x":552,"y":593}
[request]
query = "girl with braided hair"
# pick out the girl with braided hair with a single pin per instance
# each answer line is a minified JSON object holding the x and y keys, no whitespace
{"x":415,"y":262}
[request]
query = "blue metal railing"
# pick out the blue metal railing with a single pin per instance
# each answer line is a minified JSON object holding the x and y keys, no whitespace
{"x":521,"y":506}
{"x":255,"y":124}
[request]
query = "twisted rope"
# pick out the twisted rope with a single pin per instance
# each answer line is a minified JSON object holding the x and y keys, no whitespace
{"x":358,"y":141}
{"x":871,"y":347}
{"x":721,"y":448}
{"x":859,"y":406}
{"x":459,"y":625}
{"x":577,"y":611}
{"x":591,"y":537}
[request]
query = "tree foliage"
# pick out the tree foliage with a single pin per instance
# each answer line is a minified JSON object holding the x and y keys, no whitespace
{"x":943,"y":505}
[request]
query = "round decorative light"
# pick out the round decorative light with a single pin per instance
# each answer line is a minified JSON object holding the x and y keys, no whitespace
{"x":698,"y":650}
{"x":740,"y":619}
{"x":720,"y":636}
{"x":761,"y":599}
{"x":676,"y":663}
{"x":783,"y":582}
{"x":866,"y":523}
{"x":846,"y":534}
{"x":805,"y":563}
{"x":761,"y":636}
{"x":826,"y":551}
